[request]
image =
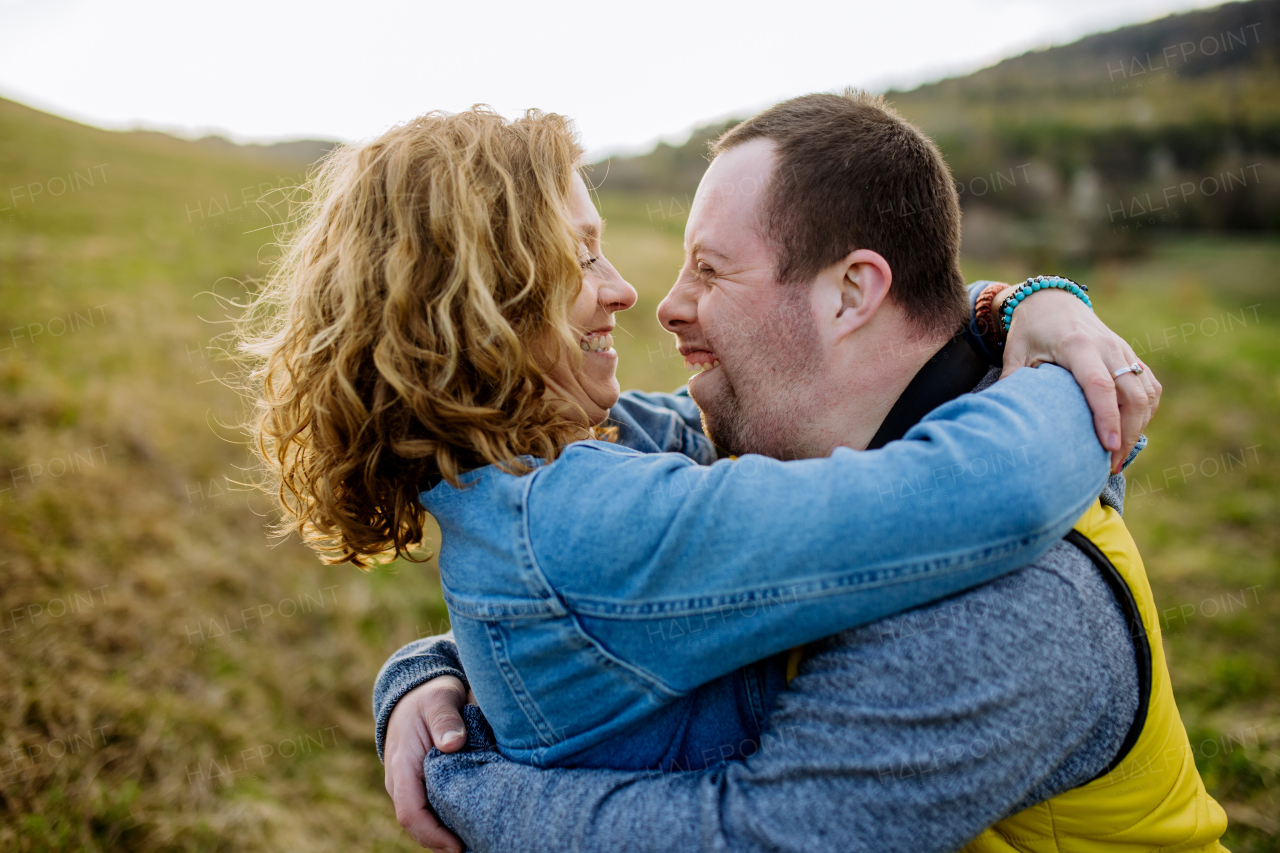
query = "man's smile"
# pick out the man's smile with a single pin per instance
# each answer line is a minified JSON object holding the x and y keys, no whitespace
{"x":700,"y":361}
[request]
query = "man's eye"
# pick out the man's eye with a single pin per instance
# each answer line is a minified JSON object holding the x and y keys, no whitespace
{"x":705,"y":270}
{"x":586,"y":265}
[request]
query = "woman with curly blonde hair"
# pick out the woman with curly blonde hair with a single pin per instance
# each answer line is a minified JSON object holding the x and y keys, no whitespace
{"x":416,"y":324}
{"x":437,"y":338}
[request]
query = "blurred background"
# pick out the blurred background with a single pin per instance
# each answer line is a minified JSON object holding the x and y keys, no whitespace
{"x":172,"y":679}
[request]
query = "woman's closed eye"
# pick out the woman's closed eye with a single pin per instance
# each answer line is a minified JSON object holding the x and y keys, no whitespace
{"x":587,"y":263}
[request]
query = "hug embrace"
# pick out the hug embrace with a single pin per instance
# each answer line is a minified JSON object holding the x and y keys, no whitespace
{"x":863,"y":584}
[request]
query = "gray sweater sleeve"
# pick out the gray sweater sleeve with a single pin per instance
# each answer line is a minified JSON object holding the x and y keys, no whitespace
{"x":913,"y":733}
{"x":412,"y":665}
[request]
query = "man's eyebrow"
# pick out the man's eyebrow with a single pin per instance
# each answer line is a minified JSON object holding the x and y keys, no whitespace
{"x":703,"y":249}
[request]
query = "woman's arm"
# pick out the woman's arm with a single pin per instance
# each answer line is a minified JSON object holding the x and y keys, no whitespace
{"x":686,"y":572}
{"x":1056,"y":328}
{"x":1052,"y":328}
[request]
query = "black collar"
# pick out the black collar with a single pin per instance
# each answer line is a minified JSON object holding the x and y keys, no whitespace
{"x":954,"y":370}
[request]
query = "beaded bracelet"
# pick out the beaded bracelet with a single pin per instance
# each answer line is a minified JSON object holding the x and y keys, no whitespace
{"x":1040,"y":282}
{"x":984,"y":315}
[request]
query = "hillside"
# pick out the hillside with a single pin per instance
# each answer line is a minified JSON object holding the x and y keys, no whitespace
{"x":1067,"y":153}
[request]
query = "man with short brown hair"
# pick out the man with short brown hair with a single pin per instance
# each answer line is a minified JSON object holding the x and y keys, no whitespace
{"x":896,"y":197}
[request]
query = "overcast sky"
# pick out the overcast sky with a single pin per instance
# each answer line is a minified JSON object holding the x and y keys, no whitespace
{"x":627,"y":72}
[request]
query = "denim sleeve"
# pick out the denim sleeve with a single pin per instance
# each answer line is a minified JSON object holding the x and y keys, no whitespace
{"x":705,"y":569}
{"x":915,"y":733}
{"x":425,"y":659}
{"x":412,"y":665}
{"x":661,"y":423}
{"x":650,"y":423}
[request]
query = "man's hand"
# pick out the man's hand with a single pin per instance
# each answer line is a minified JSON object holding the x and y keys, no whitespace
{"x":428,"y":715}
{"x":1054,"y":326}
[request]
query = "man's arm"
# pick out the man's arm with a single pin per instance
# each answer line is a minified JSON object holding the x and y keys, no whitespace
{"x":912,"y":734}
{"x":417,"y":705}
{"x":413,"y":664}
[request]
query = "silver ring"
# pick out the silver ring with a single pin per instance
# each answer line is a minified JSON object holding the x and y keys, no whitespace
{"x":1136,"y":369}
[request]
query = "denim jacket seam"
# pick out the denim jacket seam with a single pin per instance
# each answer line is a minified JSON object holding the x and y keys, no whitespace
{"x":511,"y":675}
{"x":608,"y":608}
{"x":548,"y":604}
{"x":652,"y":681}
{"x":542,"y":726}
{"x":553,"y":601}
{"x":532,"y":609}
{"x":647,"y":679}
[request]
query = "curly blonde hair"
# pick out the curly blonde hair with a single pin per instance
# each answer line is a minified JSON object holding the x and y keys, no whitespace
{"x":403,"y":336}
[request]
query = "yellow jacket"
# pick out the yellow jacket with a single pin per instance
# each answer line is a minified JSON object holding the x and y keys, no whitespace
{"x":1153,"y":797}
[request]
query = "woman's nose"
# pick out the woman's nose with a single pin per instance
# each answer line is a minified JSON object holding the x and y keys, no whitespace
{"x":616,"y":293}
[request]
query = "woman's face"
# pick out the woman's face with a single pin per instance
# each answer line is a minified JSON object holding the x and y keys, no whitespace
{"x":594,"y":385}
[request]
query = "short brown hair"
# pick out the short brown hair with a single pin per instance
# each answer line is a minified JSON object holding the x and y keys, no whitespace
{"x":853,"y":174}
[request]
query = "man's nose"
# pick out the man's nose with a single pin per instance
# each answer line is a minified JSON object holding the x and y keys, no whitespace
{"x":678,"y":307}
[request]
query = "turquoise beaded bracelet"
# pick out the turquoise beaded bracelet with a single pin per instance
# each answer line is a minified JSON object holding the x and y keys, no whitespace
{"x":1040,"y":282}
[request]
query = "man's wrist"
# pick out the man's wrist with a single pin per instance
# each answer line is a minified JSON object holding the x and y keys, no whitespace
{"x":400,"y":678}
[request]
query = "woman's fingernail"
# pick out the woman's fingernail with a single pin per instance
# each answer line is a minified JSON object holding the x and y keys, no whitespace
{"x":1113,"y":441}
{"x":451,"y":736}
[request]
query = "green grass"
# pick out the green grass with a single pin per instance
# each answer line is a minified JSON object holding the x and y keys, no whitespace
{"x":134,"y":550}
{"x":141,"y":547}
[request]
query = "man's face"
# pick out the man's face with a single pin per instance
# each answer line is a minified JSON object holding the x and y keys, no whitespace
{"x":752,"y":340}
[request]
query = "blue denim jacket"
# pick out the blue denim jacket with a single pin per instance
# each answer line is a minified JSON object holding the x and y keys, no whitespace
{"x":592,"y":599}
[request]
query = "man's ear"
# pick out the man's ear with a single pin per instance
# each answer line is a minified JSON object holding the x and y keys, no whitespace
{"x":863,"y":278}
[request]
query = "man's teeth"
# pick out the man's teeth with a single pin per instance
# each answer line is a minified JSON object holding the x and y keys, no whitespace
{"x":701,"y":368}
{"x":597,"y":343}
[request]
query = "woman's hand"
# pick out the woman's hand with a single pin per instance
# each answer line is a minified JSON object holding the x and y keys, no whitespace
{"x":428,"y":715}
{"x":1054,"y":326}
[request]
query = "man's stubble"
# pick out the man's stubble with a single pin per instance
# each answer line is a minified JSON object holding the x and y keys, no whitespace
{"x":768,"y":401}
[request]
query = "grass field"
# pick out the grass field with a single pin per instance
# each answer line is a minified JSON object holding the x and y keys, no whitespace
{"x":172,"y":680}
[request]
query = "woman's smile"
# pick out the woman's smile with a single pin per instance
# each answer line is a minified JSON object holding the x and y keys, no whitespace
{"x":592,"y":384}
{"x":599,"y":342}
